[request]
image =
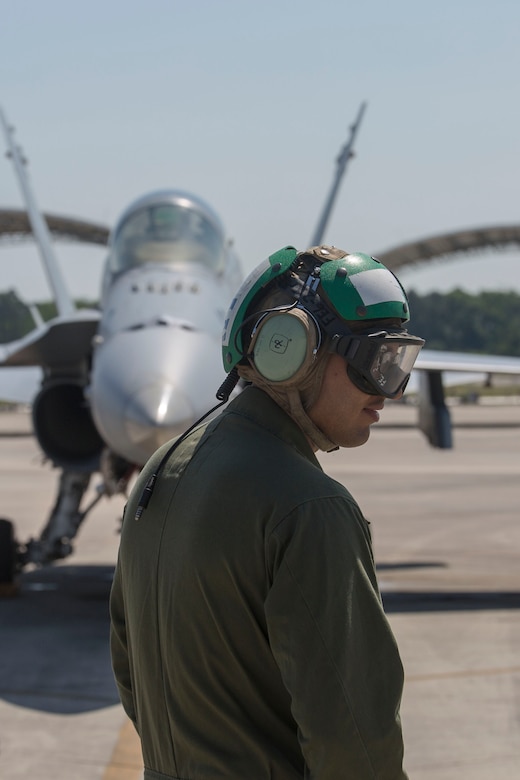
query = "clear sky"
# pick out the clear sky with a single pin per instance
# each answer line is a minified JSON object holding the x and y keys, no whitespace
{"x":247,"y":104}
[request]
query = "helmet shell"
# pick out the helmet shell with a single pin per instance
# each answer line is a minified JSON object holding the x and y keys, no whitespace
{"x":356,"y":287}
{"x":359,"y":287}
{"x":276,"y":265}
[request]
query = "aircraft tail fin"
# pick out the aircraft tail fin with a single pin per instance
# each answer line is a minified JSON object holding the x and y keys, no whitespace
{"x":63,"y":300}
{"x":341,"y":165}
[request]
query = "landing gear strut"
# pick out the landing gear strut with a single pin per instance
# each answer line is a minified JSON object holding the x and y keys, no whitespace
{"x":65,"y":519}
{"x":9,"y":564}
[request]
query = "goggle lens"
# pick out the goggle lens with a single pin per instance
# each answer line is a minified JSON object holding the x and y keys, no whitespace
{"x":392,"y":365}
{"x":380,"y":364}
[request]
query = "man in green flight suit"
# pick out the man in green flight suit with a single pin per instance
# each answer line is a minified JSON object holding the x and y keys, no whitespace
{"x":248,"y":637}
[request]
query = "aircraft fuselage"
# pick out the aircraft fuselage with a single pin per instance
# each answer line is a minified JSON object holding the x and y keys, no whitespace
{"x":168,"y":282}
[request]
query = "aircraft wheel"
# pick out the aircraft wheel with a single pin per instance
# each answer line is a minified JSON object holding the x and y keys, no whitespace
{"x":8,"y":559}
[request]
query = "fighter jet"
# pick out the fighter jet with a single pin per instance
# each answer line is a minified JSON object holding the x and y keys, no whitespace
{"x":119,"y":382}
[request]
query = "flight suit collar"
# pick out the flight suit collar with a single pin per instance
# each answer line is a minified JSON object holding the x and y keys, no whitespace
{"x":259,"y":407}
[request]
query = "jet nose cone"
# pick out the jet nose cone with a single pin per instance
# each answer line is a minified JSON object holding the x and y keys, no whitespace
{"x":155,"y":415}
{"x":150,"y":385}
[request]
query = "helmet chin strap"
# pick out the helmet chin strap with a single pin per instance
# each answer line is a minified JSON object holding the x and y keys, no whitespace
{"x":295,"y":400}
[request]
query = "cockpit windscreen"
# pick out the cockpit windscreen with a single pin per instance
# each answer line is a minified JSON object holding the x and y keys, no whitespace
{"x":167,"y":233}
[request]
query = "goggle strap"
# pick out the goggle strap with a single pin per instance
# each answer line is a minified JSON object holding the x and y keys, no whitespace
{"x":345,"y":346}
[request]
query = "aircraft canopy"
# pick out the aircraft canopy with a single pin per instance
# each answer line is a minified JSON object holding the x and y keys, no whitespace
{"x":167,"y":233}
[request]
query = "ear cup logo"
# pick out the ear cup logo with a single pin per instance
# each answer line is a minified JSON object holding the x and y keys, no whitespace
{"x":279,"y":343}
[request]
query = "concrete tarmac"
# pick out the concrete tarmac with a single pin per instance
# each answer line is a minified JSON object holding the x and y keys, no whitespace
{"x":446,"y":528}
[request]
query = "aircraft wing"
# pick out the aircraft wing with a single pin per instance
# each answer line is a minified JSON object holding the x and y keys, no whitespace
{"x":62,"y":341}
{"x":437,"y":360}
{"x":434,"y":414}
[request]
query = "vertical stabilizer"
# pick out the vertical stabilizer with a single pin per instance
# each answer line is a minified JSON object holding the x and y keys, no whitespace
{"x":63,"y":300}
{"x":341,"y":165}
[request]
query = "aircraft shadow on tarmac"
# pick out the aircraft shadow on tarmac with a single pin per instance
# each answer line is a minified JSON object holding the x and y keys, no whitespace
{"x":449,"y":601}
{"x":442,"y":600}
{"x":54,"y":653}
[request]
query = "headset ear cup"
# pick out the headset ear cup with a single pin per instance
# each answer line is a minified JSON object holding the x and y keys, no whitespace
{"x":284,"y":345}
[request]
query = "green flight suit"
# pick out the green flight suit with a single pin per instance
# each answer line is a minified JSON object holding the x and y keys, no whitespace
{"x":248,"y":637}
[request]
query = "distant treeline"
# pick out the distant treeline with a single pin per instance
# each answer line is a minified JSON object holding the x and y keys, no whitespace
{"x":488,"y":322}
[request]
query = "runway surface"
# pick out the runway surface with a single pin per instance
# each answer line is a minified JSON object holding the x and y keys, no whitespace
{"x":446,"y":528}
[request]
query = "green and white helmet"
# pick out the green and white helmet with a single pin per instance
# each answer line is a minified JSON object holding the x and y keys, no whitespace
{"x":341,"y":292}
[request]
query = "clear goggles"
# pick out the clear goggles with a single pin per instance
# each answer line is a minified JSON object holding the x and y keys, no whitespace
{"x":380,"y":362}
